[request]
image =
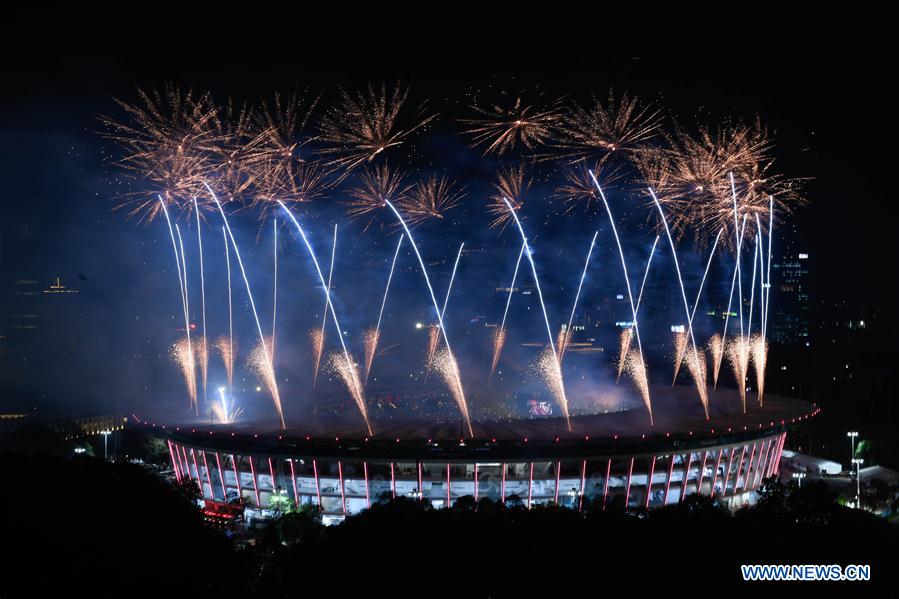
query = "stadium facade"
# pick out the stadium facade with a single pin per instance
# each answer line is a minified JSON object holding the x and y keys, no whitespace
{"x":533,"y":462}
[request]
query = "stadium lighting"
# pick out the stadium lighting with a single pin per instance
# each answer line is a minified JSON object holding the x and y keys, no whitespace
{"x":858,"y":481}
{"x":852,"y":435}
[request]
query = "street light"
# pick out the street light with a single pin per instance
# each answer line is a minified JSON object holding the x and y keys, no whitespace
{"x":858,"y":480}
{"x":852,"y":435}
{"x":105,"y":445}
{"x":799,"y":476}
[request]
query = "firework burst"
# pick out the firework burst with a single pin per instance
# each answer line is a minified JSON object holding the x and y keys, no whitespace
{"x":738,"y":352}
{"x":578,"y":189}
{"x":431,"y":198}
{"x":370,"y":340}
{"x":376,"y":185}
{"x":716,"y":348}
{"x":503,"y":128}
{"x":224,"y":347}
{"x":695,"y":362}
{"x":635,"y":367}
{"x":169,"y":146}
{"x":624,"y":348}
{"x":431,"y":350}
{"x":499,"y":341}
{"x":617,"y":126}
{"x":759,"y":350}
{"x":547,"y":369}
{"x":511,"y":184}
{"x":259,"y":363}
{"x":317,"y":341}
{"x":446,"y":366}
{"x":680,"y":348}
{"x":224,"y":411}
{"x":348,"y":371}
{"x":361,"y":126}
{"x":183,"y":356}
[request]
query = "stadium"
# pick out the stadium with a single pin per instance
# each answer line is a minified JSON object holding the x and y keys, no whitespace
{"x":607,"y":460}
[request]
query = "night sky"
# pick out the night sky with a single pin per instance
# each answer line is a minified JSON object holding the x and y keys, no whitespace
{"x":820,"y":85}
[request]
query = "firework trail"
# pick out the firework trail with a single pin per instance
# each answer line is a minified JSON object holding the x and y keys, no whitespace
{"x":636,"y":368}
{"x":680,"y":347}
{"x":627,"y":335}
{"x":318,"y":340}
{"x":695,"y":362}
{"x":276,"y":395}
{"x":259,"y":362}
{"x":228,"y":352}
{"x":499,"y":335}
{"x":203,"y":348}
{"x":350,"y":369}
{"x":566,"y":334}
{"x":738,"y":356}
{"x":183,"y":356}
{"x":457,"y":384}
{"x":433,"y":336}
{"x":373,"y":336}
{"x":739,"y":242}
{"x":700,"y":383}
{"x":191,"y":387}
{"x":376,"y":184}
{"x":225,"y":348}
{"x":547,"y":370}
{"x":733,"y":284}
{"x":759,"y":351}
{"x":193,"y":363}
{"x":275,"y":286}
{"x":447,"y":367}
{"x":641,"y":376}
{"x":716,"y":348}
{"x":224,"y":411}
{"x":557,"y":384}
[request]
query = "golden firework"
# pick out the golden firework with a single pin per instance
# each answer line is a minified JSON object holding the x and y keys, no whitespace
{"x":430,"y":198}
{"x":503,"y":128}
{"x":511,"y":184}
{"x":377,"y":184}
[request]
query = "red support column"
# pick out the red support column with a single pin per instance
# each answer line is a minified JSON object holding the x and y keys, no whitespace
{"x":580,"y":503}
{"x":342,"y":485}
{"x":763,"y":462}
{"x":780,"y":450}
{"x":668,"y":480}
{"x":174,"y":463}
{"x":218,"y":462}
{"x":683,"y":487}
{"x":627,"y":492}
{"x":558,"y":472}
{"x":193,"y":454}
{"x":187,"y":463}
{"x":715,"y":478}
{"x":530,"y":485}
{"x":605,"y":491}
{"x":475,"y":481}
{"x":730,"y":459}
{"x":318,"y":489}
{"x":367,"y":490}
{"x":293,"y":479}
{"x":749,"y":468}
{"x":652,"y":469}
{"x":271,"y":472}
{"x":255,"y":484}
{"x":237,"y":477}
{"x":421,"y":489}
{"x":739,"y":469}
{"x":751,"y":474}
{"x":502,"y":487}
{"x":393,"y":479}
{"x":705,"y":455}
{"x":208,"y":476}
{"x":773,"y":458}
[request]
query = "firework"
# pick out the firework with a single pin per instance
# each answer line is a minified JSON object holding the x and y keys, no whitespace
{"x":738,"y":351}
{"x":225,"y":347}
{"x":716,"y":348}
{"x":578,"y":188}
{"x":373,"y":336}
{"x":696,"y":365}
{"x":275,"y":286}
{"x":259,"y":362}
{"x":433,"y":340}
{"x":239,"y":150}
{"x":624,"y":348}
{"x":348,"y":371}
{"x":169,"y":145}
{"x":499,"y":335}
{"x":203,"y":347}
{"x":510,"y":186}
{"x":361,"y":126}
{"x":636,"y":368}
{"x":430,"y":198}
{"x":503,"y":128}
{"x":185,"y":296}
{"x":317,"y":341}
{"x":459,"y":396}
{"x":558,"y":387}
{"x":224,"y":410}
{"x":617,"y":126}
{"x":548,"y":370}
{"x":228,"y":352}
{"x":566,"y":334}
{"x":376,"y":184}
{"x":446,"y":366}
{"x":269,"y":370}
{"x":680,"y":347}
{"x":183,"y":356}
{"x":759,"y":352}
